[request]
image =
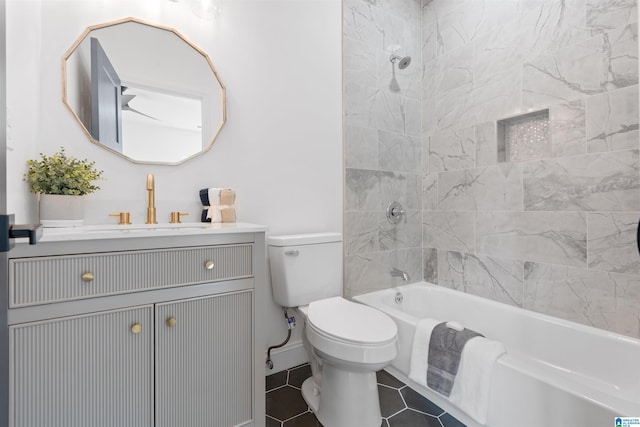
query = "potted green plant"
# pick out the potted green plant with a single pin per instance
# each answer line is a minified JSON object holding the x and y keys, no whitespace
{"x":61,"y":182}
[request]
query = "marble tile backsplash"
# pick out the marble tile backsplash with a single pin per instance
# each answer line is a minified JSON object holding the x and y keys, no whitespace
{"x":554,"y":231}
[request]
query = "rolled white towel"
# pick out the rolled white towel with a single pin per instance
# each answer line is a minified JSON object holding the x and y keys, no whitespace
{"x":214,"y":196}
{"x":214,"y":214}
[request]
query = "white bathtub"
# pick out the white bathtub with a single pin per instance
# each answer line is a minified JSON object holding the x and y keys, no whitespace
{"x":555,"y":372}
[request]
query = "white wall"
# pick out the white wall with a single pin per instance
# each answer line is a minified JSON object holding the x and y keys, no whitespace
{"x":281,"y":148}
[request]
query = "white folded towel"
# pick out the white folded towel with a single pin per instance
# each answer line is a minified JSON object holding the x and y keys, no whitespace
{"x":420,"y":350}
{"x":472,"y":383}
{"x":472,"y":386}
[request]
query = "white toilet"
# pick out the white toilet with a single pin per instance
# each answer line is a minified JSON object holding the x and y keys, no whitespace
{"x":347,"y":342}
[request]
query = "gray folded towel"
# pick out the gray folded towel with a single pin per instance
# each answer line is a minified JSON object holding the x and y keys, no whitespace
{"x":445,"y":350}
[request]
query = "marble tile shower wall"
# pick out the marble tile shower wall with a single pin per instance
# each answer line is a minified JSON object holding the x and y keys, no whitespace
{"x":383,"y":142}
{"x":553,"y":233}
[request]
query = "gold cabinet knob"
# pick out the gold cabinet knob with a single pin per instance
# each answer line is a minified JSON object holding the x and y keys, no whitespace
{"x":209,"y":265}
{"x":136,"y":328}
{"x":87,"y":277}
{"x":171,"y":322}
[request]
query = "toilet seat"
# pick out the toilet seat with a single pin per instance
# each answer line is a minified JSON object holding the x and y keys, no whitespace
{"x":351,"y":322}
{"x":350,"y":331}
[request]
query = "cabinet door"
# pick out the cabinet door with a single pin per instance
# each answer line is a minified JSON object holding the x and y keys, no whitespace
{"x":94,"y":370}
{"x":204,"y":357}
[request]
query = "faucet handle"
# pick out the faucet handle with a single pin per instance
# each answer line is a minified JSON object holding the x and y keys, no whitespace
{"x":176,"y":216}
{"x":125,"y":217}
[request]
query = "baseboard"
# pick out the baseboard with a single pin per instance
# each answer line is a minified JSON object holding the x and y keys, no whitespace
{"x":287,"y":357}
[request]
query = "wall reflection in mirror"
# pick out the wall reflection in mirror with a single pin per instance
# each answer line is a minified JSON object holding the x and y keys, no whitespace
{"x":143,"y":91}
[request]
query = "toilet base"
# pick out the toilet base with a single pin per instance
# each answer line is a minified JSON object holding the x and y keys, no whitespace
{"x":311,"y":394}
{"x":346,"y":399}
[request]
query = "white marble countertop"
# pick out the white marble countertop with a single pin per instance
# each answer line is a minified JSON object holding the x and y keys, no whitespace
{"x":107,"y":231}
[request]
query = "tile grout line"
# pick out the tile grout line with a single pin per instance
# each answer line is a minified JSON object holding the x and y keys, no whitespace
{"x":274,"y":419}
{"x":276,"y":388}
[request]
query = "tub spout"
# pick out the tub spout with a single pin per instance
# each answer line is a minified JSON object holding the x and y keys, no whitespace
{"x":399,"y":273}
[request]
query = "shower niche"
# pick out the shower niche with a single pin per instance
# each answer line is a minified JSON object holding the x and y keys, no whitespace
{"x":524,"y":137}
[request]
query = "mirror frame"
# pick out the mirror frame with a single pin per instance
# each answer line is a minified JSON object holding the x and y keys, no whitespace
{"x":86,"y":33}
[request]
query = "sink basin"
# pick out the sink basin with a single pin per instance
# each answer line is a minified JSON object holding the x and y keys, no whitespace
{"x":109,"y":228}
{"x":145,"y":227}
{"x":114,"y":231}
{"x":108,"y":231}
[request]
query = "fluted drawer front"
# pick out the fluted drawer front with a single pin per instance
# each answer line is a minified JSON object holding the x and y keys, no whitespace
{"x":204,"y":357}
{"x":53,"y":279}
{"x":82,"y":371}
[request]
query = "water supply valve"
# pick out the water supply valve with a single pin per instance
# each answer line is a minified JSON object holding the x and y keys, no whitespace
{"x":291,"y":322}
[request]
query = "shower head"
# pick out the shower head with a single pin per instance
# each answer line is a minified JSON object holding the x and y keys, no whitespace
{"x":403,"y":61}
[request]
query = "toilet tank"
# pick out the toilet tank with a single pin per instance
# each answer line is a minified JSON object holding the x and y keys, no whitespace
{"x":305,"y":267}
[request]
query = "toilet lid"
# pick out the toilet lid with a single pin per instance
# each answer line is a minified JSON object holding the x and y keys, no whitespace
{"x":351,"y":321}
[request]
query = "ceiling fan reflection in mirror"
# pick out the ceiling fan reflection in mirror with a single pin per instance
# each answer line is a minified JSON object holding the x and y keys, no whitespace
{"x":159,"y":107}
{"x":126,"y":99}
{"x":151,"y":115}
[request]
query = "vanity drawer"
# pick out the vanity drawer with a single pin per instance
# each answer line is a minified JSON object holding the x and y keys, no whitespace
{"x":61,"y":278}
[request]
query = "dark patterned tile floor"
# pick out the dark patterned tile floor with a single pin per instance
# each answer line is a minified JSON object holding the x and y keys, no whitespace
{"x":400,"y":405}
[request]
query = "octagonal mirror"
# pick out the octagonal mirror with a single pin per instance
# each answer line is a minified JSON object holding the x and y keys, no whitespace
{"x":143,"y":91}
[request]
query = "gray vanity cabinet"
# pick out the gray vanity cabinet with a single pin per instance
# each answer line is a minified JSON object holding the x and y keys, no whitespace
{"x":84,"y":371}
{"x":98,"y":370}
{"x":204,"y":361}
{"x":138,"y":333}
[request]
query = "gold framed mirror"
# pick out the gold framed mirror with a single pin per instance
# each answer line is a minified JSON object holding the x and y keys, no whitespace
{"x":143,"y":91}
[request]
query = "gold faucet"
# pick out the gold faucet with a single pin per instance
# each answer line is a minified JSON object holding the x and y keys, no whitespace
{"x":151,"y":192}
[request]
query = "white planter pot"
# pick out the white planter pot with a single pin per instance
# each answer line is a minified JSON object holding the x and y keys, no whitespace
{"x":58,"y":210}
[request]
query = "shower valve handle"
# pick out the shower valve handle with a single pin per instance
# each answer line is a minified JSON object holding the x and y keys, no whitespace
{"x":395,"y":213}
